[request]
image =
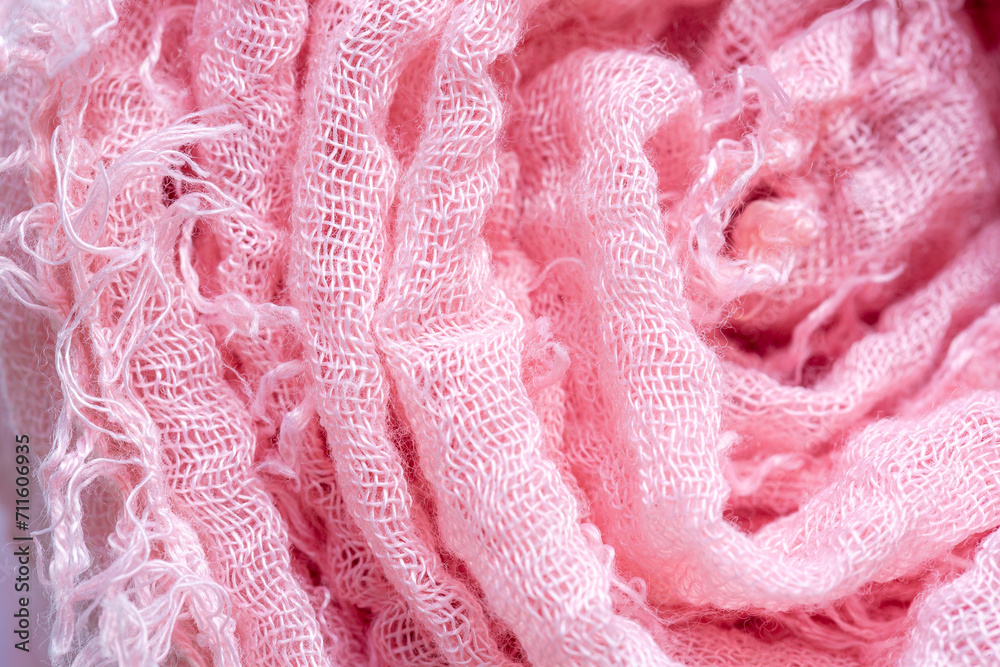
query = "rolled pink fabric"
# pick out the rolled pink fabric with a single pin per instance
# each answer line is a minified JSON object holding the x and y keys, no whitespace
{"x":505,"y":332}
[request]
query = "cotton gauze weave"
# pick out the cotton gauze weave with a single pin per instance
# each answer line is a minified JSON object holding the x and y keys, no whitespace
{"x":500,"y":332}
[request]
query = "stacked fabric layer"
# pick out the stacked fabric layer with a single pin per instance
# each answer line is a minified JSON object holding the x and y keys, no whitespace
{"x":504,"y":332}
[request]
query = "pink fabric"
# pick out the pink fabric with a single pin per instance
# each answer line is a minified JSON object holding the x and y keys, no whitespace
{"x":499,"y":332}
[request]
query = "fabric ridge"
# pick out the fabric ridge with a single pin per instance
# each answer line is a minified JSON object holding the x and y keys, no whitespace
{"x":505,"y":332}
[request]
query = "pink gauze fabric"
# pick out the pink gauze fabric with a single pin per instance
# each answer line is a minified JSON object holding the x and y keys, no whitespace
{"x":507,"y":332}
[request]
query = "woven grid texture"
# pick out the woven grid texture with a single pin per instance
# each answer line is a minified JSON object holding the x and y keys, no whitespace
{"x":507,"y":332}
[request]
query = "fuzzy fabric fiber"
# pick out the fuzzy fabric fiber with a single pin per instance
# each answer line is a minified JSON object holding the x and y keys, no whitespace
{"x":506,"y":332}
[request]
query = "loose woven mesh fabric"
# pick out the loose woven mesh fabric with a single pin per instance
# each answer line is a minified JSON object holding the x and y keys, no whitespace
{"x":482,"y":332}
